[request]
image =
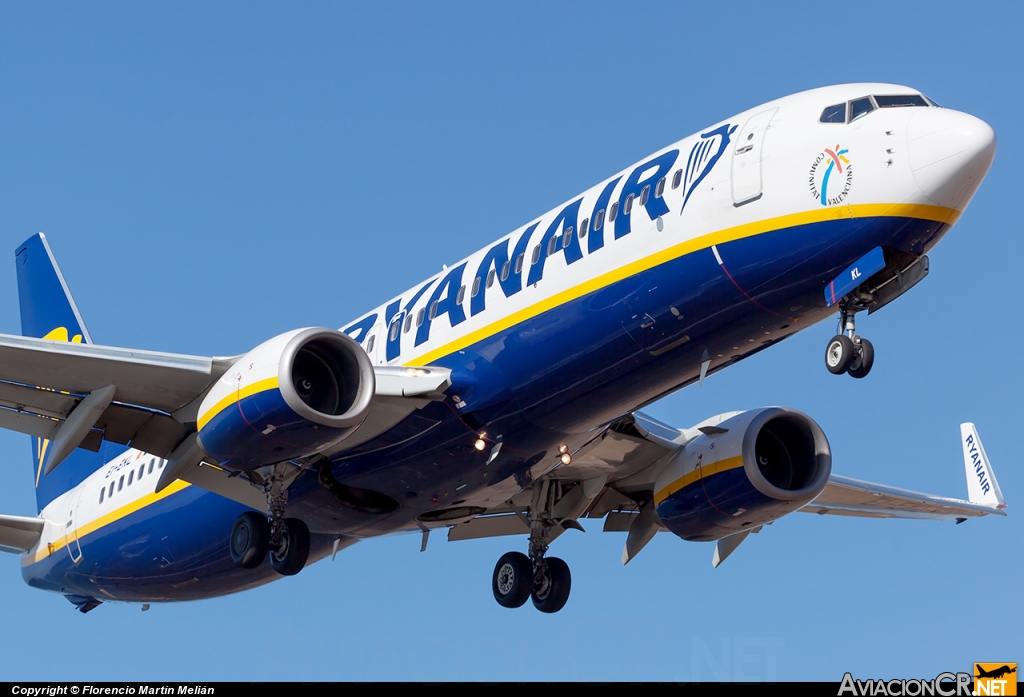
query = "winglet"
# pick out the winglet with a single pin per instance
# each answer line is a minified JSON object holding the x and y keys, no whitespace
{"x":982,"y":486}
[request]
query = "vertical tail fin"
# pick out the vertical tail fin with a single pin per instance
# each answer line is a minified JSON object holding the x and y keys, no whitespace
{"x":982,"y":486}
{"x":49,"y":312}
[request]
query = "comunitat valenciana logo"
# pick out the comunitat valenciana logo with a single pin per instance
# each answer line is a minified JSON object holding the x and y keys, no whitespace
{"x":987,"y":679}
{"x":831,"y":176}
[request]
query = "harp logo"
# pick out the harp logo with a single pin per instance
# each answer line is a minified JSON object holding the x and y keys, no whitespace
{"x":705,"y":153}
{"x":995,"y":679}
{"x":61,"y":334}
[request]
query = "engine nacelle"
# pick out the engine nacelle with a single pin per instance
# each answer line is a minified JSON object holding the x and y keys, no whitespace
{"x":290,"y":397}
{"x":746,"y":469}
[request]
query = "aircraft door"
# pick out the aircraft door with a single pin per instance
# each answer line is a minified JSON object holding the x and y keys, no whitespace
{"x":71,"y":528}
{"x":746,"y":158}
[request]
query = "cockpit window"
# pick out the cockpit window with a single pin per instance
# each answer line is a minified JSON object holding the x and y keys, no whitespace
{"x":887,"y":101}
{"x":834,"y":114}
{"x":860,"y":107}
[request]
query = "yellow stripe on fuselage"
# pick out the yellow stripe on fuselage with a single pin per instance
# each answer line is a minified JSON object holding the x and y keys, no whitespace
{"x":937,"y":214}
{"x":94,"y":525}
{"x":247,"y":391}
{"x":706,"y":471}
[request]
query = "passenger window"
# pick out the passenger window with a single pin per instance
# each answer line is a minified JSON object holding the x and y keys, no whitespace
{"x":433,"y":309}
{"x":461,"y":296}
{"x":536,"y":255}
{"x":160,"y":463}
{"x":111,"y":492}
{"x":886,"y":102}
{"x":120,"y":483}
{"x":395,"y":326}
{"x":408,"y":322}
{"x":613,"y":211}
{"x":551,"y":245}
{"x":519,"y":263}
{"x":583,"y":227}
{"x":834,"y":114}
{"x":676,"y":178}
{"x":490,"y":278}
{"x":860,"y":107}
{"x":599,"y":220}
{"x":627,"y":206}
{"x":504,"y":270}
{"x":152,"y":461}
{"x":369,"y":345}
{"x":142,"y":470}
{"x":567,"y":237}
{"x":476,"y":287}
{"x":102,"y":492}
{"x":645,"y":193}
{"x":659,"y":190}
{"x":131,"y":476}
{"x":419,"y":317}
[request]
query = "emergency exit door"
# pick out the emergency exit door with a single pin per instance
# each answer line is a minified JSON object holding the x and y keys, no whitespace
{"x":747,"y":154}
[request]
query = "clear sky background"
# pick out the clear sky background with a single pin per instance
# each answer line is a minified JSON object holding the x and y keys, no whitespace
{"x":210,"y":176}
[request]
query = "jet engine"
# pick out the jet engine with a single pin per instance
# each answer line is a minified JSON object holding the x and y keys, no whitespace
{"x":745,"y":469}
{"x":292,"y":396}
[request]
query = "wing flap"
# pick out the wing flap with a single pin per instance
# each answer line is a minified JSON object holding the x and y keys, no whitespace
{"x":43,"y":401}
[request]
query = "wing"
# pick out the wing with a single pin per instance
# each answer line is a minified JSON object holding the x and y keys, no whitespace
{"x":612,"y":477}
{"x":157,"y":394}
{"x":18,"y":534}
{"x":852,"y":497}
{"x":41,"y":383}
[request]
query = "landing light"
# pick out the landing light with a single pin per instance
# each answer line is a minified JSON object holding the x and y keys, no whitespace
{"x":566,"y":458}
{"x":479,"y":444}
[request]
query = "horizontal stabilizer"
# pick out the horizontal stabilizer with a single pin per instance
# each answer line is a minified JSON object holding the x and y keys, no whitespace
{"x":19,"y":534}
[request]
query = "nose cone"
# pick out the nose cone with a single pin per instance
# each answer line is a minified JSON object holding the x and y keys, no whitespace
{"x":950,"y":153}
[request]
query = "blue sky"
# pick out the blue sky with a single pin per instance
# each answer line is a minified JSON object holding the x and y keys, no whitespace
{"x":211,"y":175}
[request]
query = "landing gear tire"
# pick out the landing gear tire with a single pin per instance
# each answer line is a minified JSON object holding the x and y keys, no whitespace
{"x":293,"y":550}
{"x":861,"y":365}
{"x":512,"y":580}
{"x":552,"y":585}
{"x":250,"y":538}
{"x":840,"y":354}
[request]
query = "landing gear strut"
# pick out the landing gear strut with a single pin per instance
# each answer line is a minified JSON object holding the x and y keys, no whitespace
{"x":545,"y":579}
{"x":848,"y":352}
{"x":286,"y":539}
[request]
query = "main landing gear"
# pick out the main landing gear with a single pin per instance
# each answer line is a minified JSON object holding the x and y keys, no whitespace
{"x":518,"y":577}
{"x":285,"y":539}
{"x":848,"y":352}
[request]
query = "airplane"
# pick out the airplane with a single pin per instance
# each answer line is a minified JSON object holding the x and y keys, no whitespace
{"x":503,"y":395}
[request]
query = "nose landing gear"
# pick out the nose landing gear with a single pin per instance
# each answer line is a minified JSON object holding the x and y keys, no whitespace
{"x":848,"y":352}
